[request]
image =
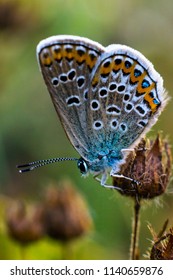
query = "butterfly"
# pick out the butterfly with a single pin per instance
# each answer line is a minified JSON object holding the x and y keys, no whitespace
{"x":107,"y":99}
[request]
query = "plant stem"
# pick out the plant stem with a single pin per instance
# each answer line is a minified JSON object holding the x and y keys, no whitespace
{"x":134,"y":249}
{"x":67,"y":252}
{"x":23,"y":252}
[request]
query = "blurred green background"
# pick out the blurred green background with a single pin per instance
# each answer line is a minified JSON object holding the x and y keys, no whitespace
{"x":30,"y":129}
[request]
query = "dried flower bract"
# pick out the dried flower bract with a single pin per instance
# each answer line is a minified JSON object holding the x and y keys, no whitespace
{"x":162,"y":244}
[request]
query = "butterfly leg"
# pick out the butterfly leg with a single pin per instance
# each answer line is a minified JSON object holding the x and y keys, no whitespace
{"x":124,"y":177}
{"x":103,"y":181}
{"x":133,"y":183}
{"x":126,"y":150}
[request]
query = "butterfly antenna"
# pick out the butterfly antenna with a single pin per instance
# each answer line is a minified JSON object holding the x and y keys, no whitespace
{"x":39,"y":163}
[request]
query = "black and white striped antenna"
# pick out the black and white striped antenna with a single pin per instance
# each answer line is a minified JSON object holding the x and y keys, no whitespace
{"x":39,"y":163}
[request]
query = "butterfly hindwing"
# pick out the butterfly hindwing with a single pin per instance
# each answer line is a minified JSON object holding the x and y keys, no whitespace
{"x":126,"y":96}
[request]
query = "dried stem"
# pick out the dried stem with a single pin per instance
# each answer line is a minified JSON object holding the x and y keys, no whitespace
{"x":134,"y":250}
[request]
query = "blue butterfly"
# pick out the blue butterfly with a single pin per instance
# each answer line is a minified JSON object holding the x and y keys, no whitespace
{"x":106,"y":99}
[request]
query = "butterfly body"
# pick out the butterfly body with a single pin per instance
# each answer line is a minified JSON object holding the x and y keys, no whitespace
{"x":106,"y":98}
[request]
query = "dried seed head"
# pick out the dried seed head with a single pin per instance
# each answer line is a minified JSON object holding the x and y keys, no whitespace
{"x":148,"y":167}
{"x":13,"y":17}
{"x":25,"y":225}
{"x":66,"y":213}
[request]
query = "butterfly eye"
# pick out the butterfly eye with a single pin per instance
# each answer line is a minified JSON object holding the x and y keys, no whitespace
{"x":82,"y":165}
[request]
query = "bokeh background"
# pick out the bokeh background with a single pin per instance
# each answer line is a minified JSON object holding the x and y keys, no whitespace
{"x":30,"y":129}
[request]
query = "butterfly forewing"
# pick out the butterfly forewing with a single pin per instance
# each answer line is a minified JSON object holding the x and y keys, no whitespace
{"x":66,"y":63}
